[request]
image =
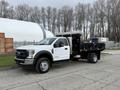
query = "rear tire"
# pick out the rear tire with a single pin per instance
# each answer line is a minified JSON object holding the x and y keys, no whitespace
{"x":92,"y":58}
{"x":42,"y":65}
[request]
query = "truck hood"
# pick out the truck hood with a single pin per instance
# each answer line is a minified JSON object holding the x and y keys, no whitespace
{"x":35,"y":47}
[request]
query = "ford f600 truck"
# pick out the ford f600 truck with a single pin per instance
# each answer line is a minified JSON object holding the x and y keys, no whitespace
{"x":65,"y":46}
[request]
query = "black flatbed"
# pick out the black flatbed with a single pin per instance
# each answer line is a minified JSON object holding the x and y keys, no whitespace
{"x":80,"y":47}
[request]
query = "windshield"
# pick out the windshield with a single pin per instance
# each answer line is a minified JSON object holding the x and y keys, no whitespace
{"x":47,"y":41}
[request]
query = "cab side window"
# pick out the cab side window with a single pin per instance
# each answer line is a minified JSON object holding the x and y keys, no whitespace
{"x":61,"y":43}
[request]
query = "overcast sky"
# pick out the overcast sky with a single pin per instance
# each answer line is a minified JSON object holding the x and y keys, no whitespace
{"x":52,"y":3}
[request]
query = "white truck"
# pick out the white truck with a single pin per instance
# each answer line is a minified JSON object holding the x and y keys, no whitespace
{"x":66,"y":46}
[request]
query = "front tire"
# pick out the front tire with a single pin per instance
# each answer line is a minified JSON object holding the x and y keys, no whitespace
{"x":43,"y":65}
{"x":92,"y":58}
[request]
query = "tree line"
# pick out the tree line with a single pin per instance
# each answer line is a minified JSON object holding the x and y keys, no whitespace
{"x":101,"y":18}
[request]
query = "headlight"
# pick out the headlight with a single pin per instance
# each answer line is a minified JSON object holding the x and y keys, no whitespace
{"x":31,"y":53}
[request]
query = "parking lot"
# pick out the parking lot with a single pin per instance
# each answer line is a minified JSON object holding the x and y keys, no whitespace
{"x":105,"y":75}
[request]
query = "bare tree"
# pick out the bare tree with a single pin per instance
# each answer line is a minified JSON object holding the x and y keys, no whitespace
{"x":3,"y":8}
{"x":58,"y":22}
{"x":66,"y":19}
{"x":22,"y":12}
{"x":43,"y":18}
{"x":100,"y":17}
{"x":79,"y":17}
{"x":11,"y":12}
{"x":35,"y":15}
{"x":48,"y":17}
{"x":54,"y":19}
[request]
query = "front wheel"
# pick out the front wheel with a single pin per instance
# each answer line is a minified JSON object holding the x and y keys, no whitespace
{"x":92,"y":58}
{"x":43,"y":65}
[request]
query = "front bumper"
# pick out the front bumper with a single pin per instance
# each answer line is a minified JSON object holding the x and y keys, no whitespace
{"x":28,"y":61}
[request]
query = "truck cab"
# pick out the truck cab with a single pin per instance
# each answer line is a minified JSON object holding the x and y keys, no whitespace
{"x":43,"y":54}
{"x":65,"y":46}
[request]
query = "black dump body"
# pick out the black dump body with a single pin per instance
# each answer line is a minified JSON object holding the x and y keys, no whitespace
{"x":86,"y":48}
{"x":92,"y":46}
{"x":82,"y":48}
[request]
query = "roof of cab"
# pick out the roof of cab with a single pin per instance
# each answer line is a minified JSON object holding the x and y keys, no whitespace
{"x":69,"y":33}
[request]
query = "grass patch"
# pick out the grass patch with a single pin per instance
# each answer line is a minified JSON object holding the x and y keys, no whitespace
{"x":7,"y":61}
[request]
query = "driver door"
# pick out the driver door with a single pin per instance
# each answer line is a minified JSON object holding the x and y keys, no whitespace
{"x":61,"y":50}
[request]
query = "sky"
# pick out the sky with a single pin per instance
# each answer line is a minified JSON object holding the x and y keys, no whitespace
{"x":52,"y":3}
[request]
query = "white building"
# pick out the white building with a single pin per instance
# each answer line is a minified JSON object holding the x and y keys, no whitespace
{"x":22,"y":30}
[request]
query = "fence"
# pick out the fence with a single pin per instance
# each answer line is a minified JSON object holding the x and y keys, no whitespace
{"x":19,"y":44}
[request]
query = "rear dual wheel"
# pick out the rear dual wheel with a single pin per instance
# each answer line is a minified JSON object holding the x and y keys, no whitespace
{"x":92,"y":58}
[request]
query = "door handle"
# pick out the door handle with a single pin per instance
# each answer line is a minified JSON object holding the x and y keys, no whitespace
{"x":66,"y":48}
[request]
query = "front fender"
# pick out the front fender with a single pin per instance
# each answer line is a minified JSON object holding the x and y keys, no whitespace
{"x":43,"y":53}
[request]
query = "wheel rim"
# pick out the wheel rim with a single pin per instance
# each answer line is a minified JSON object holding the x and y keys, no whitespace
{"x":44,"y":65}
{"x":95,"y":58}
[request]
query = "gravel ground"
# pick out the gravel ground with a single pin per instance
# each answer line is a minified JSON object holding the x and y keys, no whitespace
{"x":105,"y":75}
